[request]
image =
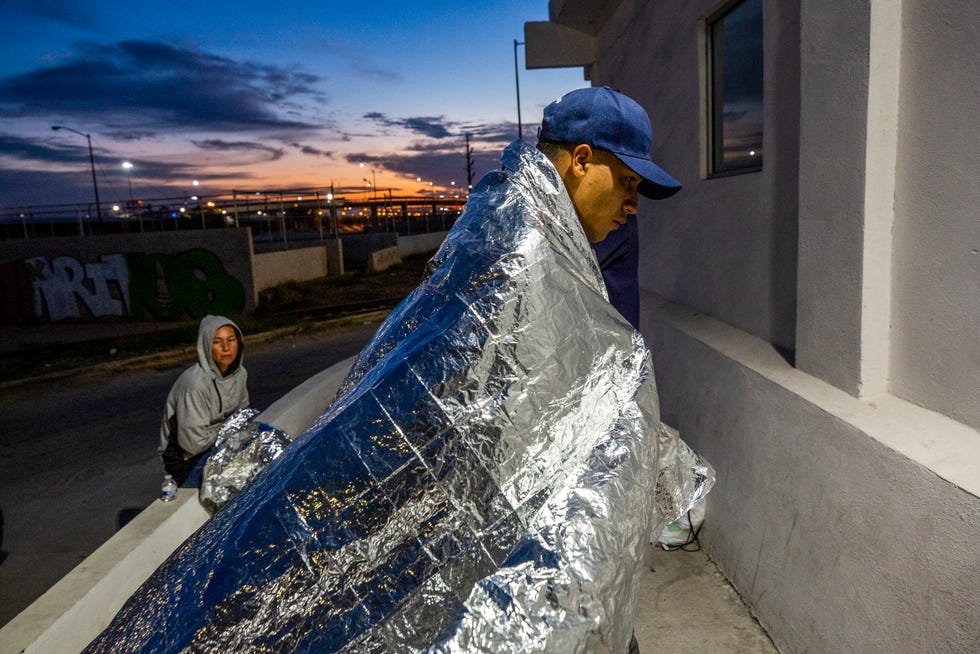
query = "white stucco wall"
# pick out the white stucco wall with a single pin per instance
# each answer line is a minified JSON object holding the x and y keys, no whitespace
{"x":828,"y":515}
{"x":726,"y":246}
{"x":847,"y":517}
{"x":936,"y":266}
{"x":833,"y":136}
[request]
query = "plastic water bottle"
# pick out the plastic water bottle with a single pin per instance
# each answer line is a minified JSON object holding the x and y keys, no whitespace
{"x":168,"y":491}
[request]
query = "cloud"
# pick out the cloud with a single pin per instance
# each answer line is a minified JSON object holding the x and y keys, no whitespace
{"x":29,"y":149}
{"x":496,"y":134}
{"x":130,"y":134}
{"x":441,"y":165}
{"x":358,"y":59}
{"x":443,"y":161}
{"x":19,"y":188}
{"x":155,"y":84}
{"x":27,"y":175}
{"x":40,"y":172}
{"x":271,"y":154}
{"x":433,"y":127}
{"x":310,"y":150}
{"x":67,"y":12}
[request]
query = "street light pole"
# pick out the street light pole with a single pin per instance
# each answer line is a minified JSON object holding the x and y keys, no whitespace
{"x":374,"y":181}
{"x":91,"y":159}
{"x":128,"y":167}
{"x":374,"y":191}
{"x":517,"y":85}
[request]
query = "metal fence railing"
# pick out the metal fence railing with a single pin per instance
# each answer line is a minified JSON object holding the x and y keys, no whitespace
{"x":274,"y":217}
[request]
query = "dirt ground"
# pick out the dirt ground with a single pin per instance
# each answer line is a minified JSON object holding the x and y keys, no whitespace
{"x":397,"y":281}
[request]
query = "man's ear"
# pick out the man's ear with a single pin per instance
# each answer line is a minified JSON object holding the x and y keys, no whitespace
{"x":581,"y":156}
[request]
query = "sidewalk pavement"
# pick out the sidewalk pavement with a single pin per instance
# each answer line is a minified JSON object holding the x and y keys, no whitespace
{"x":686,"y":605}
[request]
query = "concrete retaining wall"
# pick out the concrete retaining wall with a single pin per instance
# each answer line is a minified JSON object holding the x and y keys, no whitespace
{"x":273,"y":268}
{"x":381,"y":260}
{"x":150,"y":276}
{"x":420,"y":243}
{"x":162,"y":276}
{"x":357,"y":247}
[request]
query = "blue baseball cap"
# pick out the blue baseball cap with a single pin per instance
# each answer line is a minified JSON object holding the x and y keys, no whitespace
{"x":611,"y":121}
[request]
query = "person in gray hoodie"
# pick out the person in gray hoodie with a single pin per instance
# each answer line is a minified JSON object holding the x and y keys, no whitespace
{"x":203,"y":397}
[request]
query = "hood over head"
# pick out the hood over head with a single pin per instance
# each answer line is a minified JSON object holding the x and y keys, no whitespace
{"x":205,"y":334}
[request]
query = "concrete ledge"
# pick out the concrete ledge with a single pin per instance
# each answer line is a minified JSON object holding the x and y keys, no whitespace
{"x":297,"y":409}
{"x":73,"y":612}
{"x":553,"y":45}
{"x":946,"y":447}
{"x":76,"y":609}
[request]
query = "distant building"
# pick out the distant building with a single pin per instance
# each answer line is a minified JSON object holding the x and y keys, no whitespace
{"x":812,"y":296}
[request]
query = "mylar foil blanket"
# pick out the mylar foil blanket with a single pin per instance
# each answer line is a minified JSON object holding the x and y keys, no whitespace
{"x":484,"y":481}
{"x":684,"y":477}
{"x":242,"y":450}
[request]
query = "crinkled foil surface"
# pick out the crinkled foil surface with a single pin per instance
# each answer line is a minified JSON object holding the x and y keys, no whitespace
{"x":484,"y":481}
{"x":684,"y":477}
{"x":243,"y":449}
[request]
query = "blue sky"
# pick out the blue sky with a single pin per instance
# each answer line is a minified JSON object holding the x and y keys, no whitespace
{"x":259,"y":95}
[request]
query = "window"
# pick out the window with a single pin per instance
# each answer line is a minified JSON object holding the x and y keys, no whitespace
{"x":735,"y":88}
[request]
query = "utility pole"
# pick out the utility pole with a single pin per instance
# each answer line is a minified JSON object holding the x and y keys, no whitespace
{"x":469,"y":165}
{"x":91,"y":159}
{"x":517,"y":84}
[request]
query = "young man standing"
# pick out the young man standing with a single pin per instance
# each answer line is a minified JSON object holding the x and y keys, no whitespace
{"x":589,"y":117}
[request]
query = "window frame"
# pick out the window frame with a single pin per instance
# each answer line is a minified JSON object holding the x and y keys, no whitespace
{"x":714,"y":115}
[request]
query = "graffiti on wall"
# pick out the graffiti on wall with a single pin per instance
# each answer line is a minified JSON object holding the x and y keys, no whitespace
{"x":132,"y":285}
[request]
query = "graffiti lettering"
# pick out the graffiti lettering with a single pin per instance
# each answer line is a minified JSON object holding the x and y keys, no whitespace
{"x":193,"y":282}
{"x":60,"y":284}
{"x":137,"y":285}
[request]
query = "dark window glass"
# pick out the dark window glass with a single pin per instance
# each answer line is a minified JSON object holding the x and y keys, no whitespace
{"x":735,"y":59}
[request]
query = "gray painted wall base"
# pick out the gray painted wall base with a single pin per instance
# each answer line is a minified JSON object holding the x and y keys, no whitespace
{"x":846,"y":525}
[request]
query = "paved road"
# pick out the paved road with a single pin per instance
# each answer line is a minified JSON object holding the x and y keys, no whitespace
{"x":78,"y":455}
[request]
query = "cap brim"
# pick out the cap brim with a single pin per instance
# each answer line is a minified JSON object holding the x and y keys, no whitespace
{"x":656,"y":184}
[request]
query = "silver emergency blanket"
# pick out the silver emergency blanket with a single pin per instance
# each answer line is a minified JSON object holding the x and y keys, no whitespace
{"x":683,"y":479}
{"x":242,"y":450}
{"x":484,"y":481}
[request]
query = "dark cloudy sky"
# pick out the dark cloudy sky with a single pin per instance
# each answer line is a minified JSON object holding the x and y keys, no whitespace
{"x":258,"y":95}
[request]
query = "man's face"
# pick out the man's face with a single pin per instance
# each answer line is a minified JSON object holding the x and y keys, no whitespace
{"x":224,"y":348}
{"x":605,"y":193}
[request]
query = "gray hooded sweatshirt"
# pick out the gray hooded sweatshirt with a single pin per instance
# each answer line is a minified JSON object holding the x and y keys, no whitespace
{"x":201,"y":398}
